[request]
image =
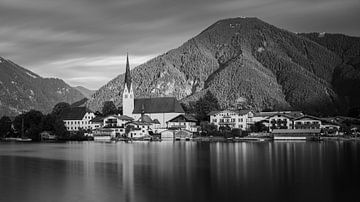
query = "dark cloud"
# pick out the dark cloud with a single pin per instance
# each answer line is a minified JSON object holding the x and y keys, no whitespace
{"x":84,"y":41}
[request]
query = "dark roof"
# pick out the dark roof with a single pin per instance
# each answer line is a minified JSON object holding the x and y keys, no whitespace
{"x":240,"y":112}
{"x":290,"y":115}
{"x":97,"y":119}
{"x":268,"y":114}
{"x":145,"y":119}
{"x":127,"y":74}
{"x":155,"y":121}
{"x":309,"y":117}
{"x":74,"y":113}
{"x":121,"y":117}
{"x":157,"y":105}
{"x":183,"y":118}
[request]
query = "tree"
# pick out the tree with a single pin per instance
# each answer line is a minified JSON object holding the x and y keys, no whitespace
{"x":258,"y":127}
{"x":208,"y":129}
{"x":59,"y":108}
{"x":55,"y":125}
{"x":109,"y":108}
{"x":5,"y":126}
{"x":30,"y":123}
{"x":203,"y":106}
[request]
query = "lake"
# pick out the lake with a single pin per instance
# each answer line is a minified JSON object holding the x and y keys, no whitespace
{"x":180,"y":171}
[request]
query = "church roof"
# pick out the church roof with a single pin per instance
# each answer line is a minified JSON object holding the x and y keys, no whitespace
{"x":127,"y":74}
{"x":157,"y":105}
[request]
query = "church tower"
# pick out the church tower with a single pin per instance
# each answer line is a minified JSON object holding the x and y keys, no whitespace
{"x":128,"y":93}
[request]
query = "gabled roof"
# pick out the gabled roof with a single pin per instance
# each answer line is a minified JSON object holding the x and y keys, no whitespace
{"x":145,"y":118}
{"x":308,"y":117}
{"x":239,"y":112}
{"x":97,"y":119}
{"x":157,"y":105}
{"x":74,"y":113}
{"x":268,"y":114}
{"x":183,"y":118}
{"x":155,"y":121}
{"x":288,"y":115}
{"x":121,"y":117}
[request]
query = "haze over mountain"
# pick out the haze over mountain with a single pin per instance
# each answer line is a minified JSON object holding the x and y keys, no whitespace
{"x":22,"y":90}
{"x":246,"y":59}
{"x":86,"y":92}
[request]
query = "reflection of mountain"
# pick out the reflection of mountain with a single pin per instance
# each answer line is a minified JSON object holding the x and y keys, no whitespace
{"x":22,"y":90}
{"x":245,"y":58}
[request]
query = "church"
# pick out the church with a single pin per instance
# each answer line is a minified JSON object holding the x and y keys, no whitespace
{"x":162,"y":109}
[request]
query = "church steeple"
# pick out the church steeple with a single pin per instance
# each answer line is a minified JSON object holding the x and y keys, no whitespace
{"x":128,"y":93}
{"x":127,"y":74}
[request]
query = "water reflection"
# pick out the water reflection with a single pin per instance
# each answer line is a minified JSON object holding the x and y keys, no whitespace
{"x":180,"y":171}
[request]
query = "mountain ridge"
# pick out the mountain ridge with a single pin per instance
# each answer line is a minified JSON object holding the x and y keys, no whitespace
{"x":240,"y":59}
{"x":22,"y":90}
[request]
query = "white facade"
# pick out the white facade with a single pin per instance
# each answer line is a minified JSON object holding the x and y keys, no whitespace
{"x":128,"y":101}
{"x":280,"y":121}
{"x":84,"y":123}
{"x":161,"y":117}
{"x":232,"y":118}
{"x":139,"y":130}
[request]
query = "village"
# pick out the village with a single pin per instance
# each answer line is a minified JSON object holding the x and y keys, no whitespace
{"x":163,"y":118}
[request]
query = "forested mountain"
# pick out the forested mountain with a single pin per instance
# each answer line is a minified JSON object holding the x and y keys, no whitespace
{"x":22,"y":90}
{"x":245,"y":60}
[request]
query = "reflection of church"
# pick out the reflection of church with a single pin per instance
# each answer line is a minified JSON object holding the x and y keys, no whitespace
{"x":161,"y":108}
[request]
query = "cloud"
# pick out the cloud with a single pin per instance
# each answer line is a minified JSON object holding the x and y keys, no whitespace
{"x":81,"y":40}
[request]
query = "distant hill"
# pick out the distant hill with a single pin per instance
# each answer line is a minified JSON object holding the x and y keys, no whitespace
{"x":86,"y":92}
{"x":80,"y":103}
{"x":22,"y":90}
{"x":243,"y":59}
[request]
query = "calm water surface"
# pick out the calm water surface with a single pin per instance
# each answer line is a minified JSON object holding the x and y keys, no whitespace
{"x":180,"y":171}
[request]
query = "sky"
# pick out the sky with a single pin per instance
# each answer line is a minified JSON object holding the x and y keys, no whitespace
{"x":85,"y":42}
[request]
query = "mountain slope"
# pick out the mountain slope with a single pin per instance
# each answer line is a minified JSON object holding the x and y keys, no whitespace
{"x":22,"y":90}
{"x":346,"y":78}
{"x":86,"y":92}
{"x":240,"y":59}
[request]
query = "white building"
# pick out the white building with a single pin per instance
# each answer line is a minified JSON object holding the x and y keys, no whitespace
{"x":160,"y":108}
{"x":77,"y":118}
{"x":241,"y":119}
{"x":183,"y":121}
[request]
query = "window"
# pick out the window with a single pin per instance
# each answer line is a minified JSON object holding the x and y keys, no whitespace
{"x":126,"y":96}
{"x":232,"y":120}
{"x":241,"y":120}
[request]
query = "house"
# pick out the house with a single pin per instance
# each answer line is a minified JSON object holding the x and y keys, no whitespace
{"x":307,"y":122}
{"x":183,"y":121}
{"x":176,"y":134}
{"x":233,"y":118}
{"x":168,"y":135}
{"x":282,"y":120}
{"x":97,"y":122}
{"x":46,"y":135}
{"x":263,"y":117}
{"x":112,"y":126}
{"x":162,"y":109}
{"x":77,"y":118}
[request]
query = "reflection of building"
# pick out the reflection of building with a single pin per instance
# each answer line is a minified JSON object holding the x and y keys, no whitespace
{"x":161,"y":108}
{"x":233,"y":118}
{"x":77,"y":118}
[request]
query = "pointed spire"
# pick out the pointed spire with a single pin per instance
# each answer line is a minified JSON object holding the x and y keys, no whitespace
{"x":127,"y":73}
